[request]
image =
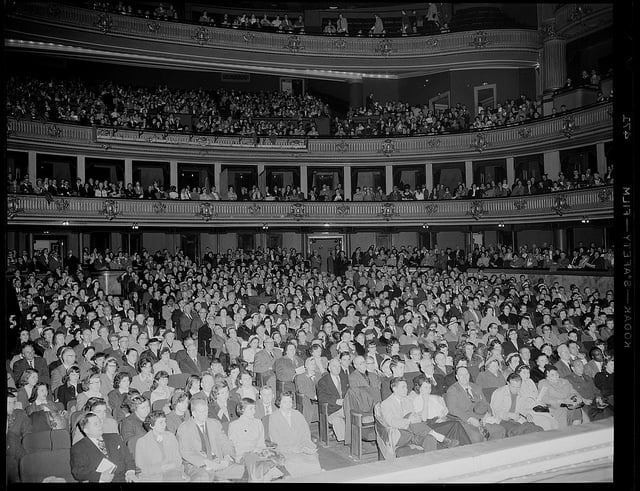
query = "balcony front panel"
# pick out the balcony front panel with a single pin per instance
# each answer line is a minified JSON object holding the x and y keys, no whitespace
{"x":100,"y":212}
{"x":582,"y":127}
{"x":144,"y":41}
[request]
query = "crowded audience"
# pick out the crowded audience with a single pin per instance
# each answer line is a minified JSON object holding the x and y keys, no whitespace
{"x":357,"y":332}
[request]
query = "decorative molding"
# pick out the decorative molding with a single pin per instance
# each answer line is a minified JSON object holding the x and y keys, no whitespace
{"x":207,"y":212}
{"x":626,"y":126}
{"x":254,"y":209}
{"x":342,"y":146}
{"x":294,"y":44}
{"x":480,"y":40}
{"x":13,"y":207}
{"x":248,"y":37}
{"x":201,"y":35}
{"x":524,"y":133}
{"x":605,"y":195}
{"x":159,"y":207}
{"x":62,"y":204}
{"x":549,"y":28}
{"x":54,"y":10}
{"x":476,"y":210}
{"x":431,"y":209}
{"x":387,"y":211}
{"x":342,"y":210}
{"x":579,"y":11}
{"x":560,"y":204}
{"x":433,"y":142}
{"x":385,"y":47}
{"x":388,"y":147}
{"x":110,"y":209}
{"x":298,"y":211}
{"x":432,"y":43}
{"x":568,"y":126}
{"x":340,"y":44}
{"x":520,"y":204}
{"x":480,"y":142}
{"x":153,"y":27}
{"x":104,"y":23}
{"x":105,"y":146}
{"x":54,"y":130}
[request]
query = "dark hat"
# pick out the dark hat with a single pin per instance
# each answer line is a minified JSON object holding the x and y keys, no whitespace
{"x":154,"y":340}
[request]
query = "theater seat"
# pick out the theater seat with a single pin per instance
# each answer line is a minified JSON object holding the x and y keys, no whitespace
{"x":178,"y":380}
{"x":47,"y":440}
{"x":34,"y":467}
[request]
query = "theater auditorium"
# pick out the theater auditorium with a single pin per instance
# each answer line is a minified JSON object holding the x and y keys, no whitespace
{"x":309,"y":242}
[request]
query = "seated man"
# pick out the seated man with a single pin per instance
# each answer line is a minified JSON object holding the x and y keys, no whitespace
{"x":88,"y":454}
{"x":332,"y":391}
{"x":466,"y":401}
{"x":398,"y":412}
{"x":511,"y":409}
{"x":306,"y":385}
{"x":206,"y":451}
{"x":595,"y":408}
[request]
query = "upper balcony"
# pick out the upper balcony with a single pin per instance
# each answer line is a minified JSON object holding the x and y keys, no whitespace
{"x":88,"y":34}
{"x":595,"y":203}
{"x":581,"y":127}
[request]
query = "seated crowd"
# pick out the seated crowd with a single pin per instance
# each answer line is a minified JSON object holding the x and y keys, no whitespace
{"x":218,"y":369}
{"x":228,"y":112}
{"x":401,"y":118}
{"x":106,"y":189}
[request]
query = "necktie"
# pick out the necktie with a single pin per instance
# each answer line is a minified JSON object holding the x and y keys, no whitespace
{"x":339,"y":386}
{"x":470,"y":392}
{"x":102,"y":446}
{"x":30,"y":363}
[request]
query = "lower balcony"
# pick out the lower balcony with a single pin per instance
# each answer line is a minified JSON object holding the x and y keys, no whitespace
{"x":592,"y":203}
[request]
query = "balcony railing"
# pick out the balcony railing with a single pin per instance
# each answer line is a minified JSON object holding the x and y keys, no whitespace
{"x":594,"y":122}
{"x":570,"y":205}
{"x":265,"y":42}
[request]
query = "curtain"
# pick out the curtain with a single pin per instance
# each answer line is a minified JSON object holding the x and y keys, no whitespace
{"x":408,"y":177}
{"x":365,"y":178}
{"x":451,"y":178}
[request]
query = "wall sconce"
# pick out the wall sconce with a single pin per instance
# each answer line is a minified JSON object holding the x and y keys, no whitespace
{"x":265,"y":227}
{"x":135,"y":226}
{"x":501,"y":225}
{"x":585,"y":220}
{"x":65,"y":223}
{"x":425,"y":226}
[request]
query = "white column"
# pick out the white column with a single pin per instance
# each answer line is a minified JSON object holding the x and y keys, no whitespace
{"x":602,"y":159}
{"x":304,"y":187}
{"x":262,"y":178}
{"x":81,"y":169}
{"x":388,"y":178}
{"x":428,"y":173}
{"x":128,"y":171}
{"x":511,"y":171}
{"x":217,"y":171}
{"x":173,"y":174}
{"x":347,"y":182}
{"x":31,"y":167}
{"x":552,"y":164}
{"x":468,"y":173}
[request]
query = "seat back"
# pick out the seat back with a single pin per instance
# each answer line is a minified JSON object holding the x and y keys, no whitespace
{"x":178,"y":380}
{"x":299,"y":401}
{"x":488,"y":392}
{"x":159,"y":404}
{"x":35,"y":467}
{"x":38,"y":441}
{"x":60,"y":439}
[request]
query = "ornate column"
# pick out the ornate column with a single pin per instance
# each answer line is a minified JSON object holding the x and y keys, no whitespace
{"x":355,"y":93}
{"x":554,"y":63}
{"x":388,"y":178}
{"x":347,"y":182}
{"x":468,"y":173}
{"x":304,"y":183}
{"x":552,"y":164}
{"x":128,"y":171}
{"x":511,"y":171}
{"x":217,"y":171}
{"x":173,"y":174}
{"x":81,"y":168}
{"x":32,"y":167}
{"x":428,"y":173}
{"x":601,"y":159}
{"x":560,"y":239}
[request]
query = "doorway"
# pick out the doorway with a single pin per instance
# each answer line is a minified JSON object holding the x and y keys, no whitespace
{"x":323,"y":244}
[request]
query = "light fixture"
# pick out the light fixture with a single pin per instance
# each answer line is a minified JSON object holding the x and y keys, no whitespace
{"x":585,"y":220}
{"x":46,"y":232}
{"x":265,"y":226}
{"x":425,"y":225}
{"x":135,"y":226}
{"x":65,"y":223}
{"x":326,"y":224}
{"x":501,"y":225}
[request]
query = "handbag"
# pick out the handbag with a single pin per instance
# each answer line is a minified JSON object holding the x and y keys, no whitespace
{"x":540,"y":408}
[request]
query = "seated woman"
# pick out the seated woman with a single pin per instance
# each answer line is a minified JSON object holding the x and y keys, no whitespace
{"x":157,"y":454}
{"x":28,"y":381}
{"x":179,"y":410}
{"x":70,"y":388}
{"x":121,"y":384}
{"x":290,"y":432}
{"x":222,"y":407}
{"x":131,"y":428}
{"x":41,"y":400}
{"x":91,"y":387}
{"x":247,"y":435}
{"x":249,"y":353}
{"x":245,"y":389}
{"x":561,"y":397}
{"x":160,"y":389}
{"x":603,"y":380}
{"x":433,"y":411}
{"x":166,"y":364}
{"x":143,"y":381}
{"x":529,"y":392}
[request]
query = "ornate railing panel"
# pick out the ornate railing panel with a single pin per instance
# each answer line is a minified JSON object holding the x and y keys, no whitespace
{"x":570,"y":205}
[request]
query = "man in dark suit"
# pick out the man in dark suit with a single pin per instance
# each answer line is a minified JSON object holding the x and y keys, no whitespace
{"x":88,"y":454}
{"x":332,"y":391}
{"x":564,"y":363}
{"x":181,"y":320}
{"x":30,"y":360}
{"x":193,"y":363}
{"x":264,"y":360}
